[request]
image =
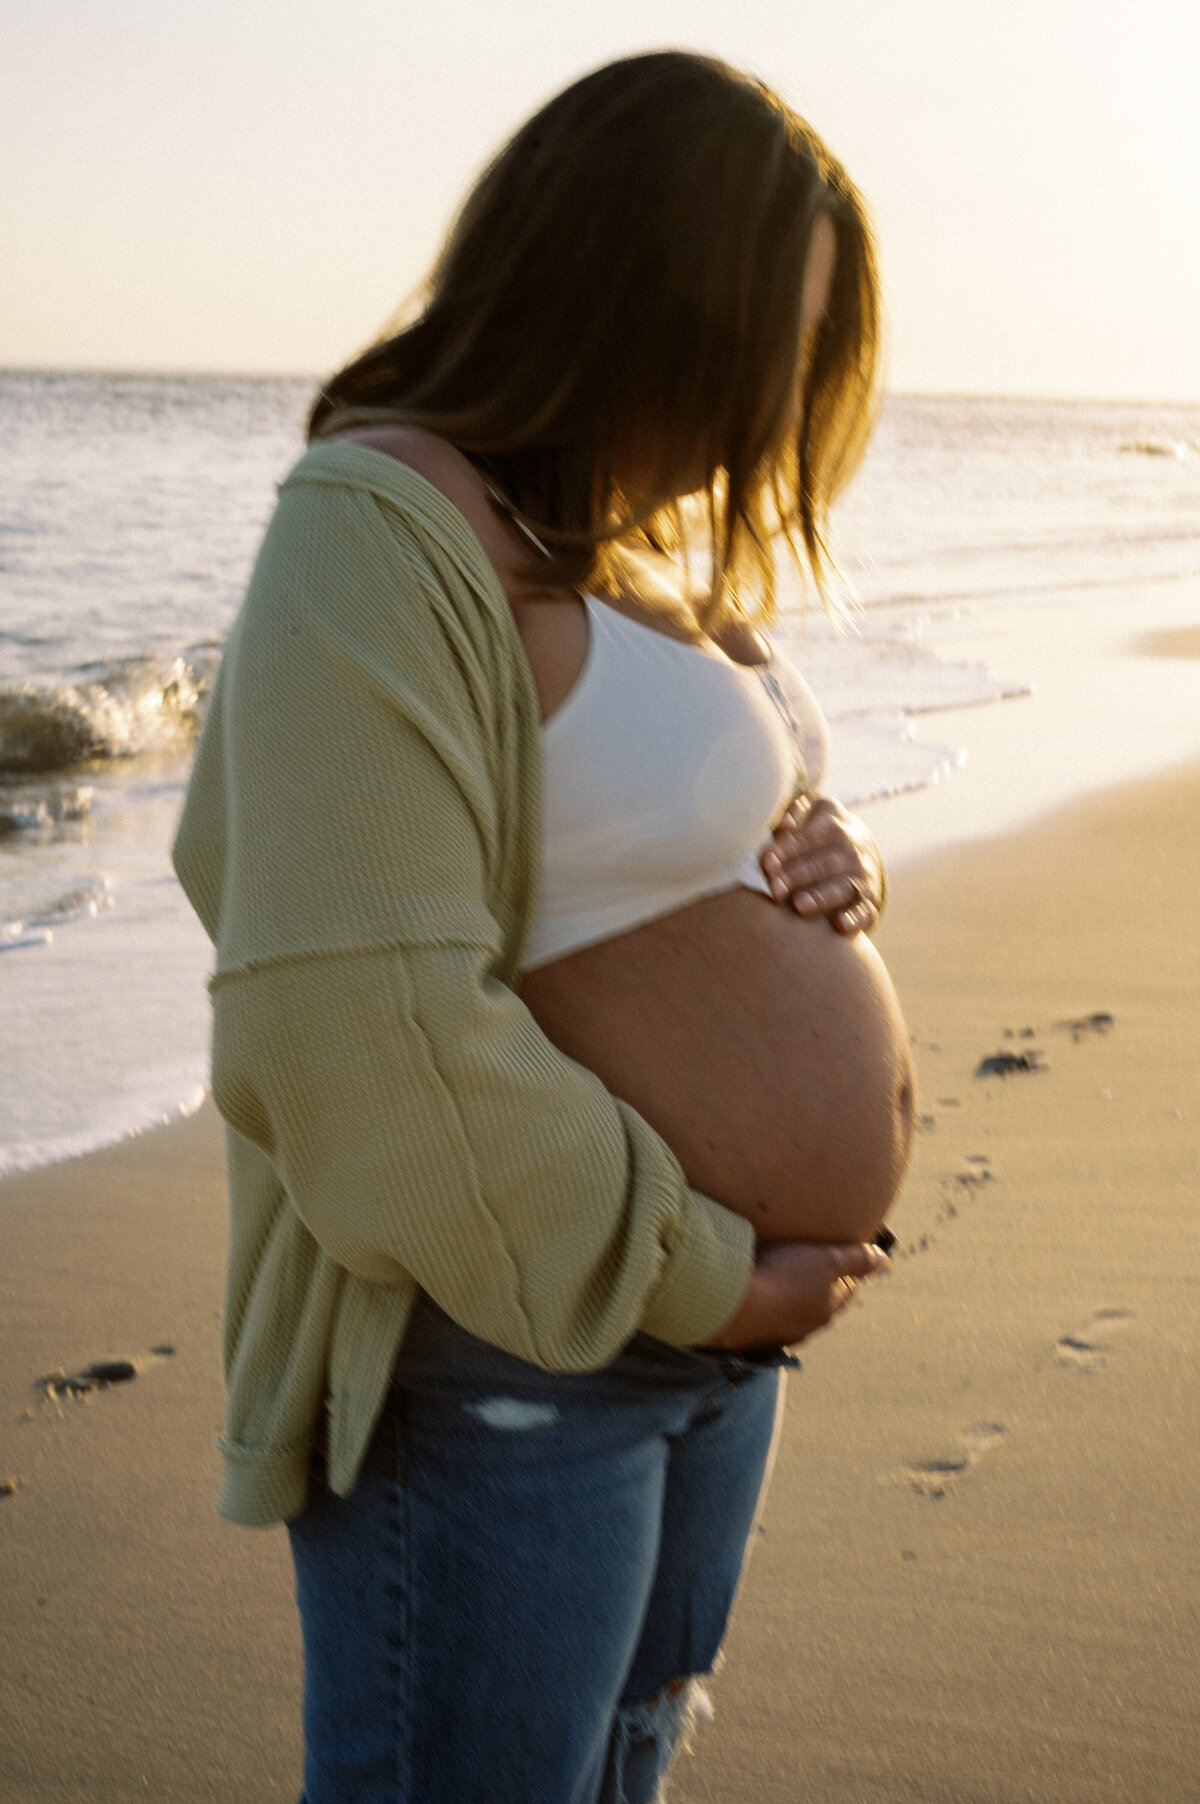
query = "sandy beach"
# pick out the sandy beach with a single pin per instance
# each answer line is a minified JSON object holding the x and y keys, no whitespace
{"x":977,"y":1579}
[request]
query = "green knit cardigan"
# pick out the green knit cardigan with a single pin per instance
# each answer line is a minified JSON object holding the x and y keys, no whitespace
{"x":360,"y":842}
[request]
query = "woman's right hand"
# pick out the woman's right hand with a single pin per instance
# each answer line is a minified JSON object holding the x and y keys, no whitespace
{"x":795,"y":1288}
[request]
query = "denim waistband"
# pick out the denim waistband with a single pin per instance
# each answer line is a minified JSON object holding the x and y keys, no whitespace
{"x":436,"y":1343}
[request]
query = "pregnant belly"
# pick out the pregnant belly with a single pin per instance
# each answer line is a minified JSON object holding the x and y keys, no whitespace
{"x":768,"y":1051}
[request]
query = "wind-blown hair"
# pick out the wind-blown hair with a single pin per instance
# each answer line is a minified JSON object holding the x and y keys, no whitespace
{"x":614,"y":322}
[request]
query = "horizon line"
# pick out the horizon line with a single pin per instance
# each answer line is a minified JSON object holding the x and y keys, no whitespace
{"x":214,"y":374}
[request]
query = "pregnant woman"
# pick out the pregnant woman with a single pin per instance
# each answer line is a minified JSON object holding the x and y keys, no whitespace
{"x":563,"y":1090}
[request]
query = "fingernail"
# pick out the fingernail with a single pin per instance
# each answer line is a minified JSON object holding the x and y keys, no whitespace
{"x":779,"y":889}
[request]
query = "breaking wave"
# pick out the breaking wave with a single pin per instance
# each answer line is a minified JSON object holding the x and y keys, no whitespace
{"x":122,"y":709}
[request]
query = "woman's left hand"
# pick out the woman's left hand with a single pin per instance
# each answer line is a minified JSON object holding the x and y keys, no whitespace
{"x":823,"y":861}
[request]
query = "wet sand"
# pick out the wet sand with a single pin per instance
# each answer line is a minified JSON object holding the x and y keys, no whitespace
{"x":1173,"y":642}
{"x":978,"y":1576}
{"x":149,"y":1649}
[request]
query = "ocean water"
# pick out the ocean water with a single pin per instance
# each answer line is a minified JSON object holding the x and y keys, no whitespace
{"x":997,"y":548}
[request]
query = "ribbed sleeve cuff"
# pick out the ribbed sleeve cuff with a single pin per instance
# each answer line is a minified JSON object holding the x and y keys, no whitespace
{"x":708,"y":1269}
{"x":262,"y":1488}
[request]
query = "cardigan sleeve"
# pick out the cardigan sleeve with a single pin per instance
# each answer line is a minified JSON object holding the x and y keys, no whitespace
{"x":422,"y":1125}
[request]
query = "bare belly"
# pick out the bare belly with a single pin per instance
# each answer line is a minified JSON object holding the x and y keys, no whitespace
{"x":768,"y":1051}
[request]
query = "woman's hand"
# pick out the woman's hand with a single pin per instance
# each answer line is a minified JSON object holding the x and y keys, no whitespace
{"x":795,"y":1288}
{"x":823,"y":861}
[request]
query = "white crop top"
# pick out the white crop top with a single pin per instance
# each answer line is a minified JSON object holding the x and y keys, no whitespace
{"x":663,"y":773}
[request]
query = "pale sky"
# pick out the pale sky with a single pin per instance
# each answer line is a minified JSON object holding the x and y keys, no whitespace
{"x":248,"y":185}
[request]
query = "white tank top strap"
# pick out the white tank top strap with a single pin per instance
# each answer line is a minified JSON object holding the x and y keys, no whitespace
{"x":601,"y":634}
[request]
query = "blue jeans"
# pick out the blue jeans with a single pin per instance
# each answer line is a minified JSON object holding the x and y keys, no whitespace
{"x":498,"y":1612}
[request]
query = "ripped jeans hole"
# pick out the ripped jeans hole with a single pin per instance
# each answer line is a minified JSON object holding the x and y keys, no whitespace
{"x":647,"y":1736}
{"x":513,"y":1413}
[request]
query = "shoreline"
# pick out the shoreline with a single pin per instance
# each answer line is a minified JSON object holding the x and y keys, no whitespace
{"x":1112,"y":704}
{"x":1011,"y":778}
{"x":1097,"y":607}
{"x":973,"y":1580}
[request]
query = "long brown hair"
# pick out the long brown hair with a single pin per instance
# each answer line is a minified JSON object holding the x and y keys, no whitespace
{"x":614,"y":322}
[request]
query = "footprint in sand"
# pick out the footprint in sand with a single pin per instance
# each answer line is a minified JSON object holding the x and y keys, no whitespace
{"x":1087,"y":1349}
{"x":101,"y":1375}
{"x":1099,"y":1022}
{"x":937,"y":1477}
{"x":953,"y":1188}
{"x":1004,"y":1064}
